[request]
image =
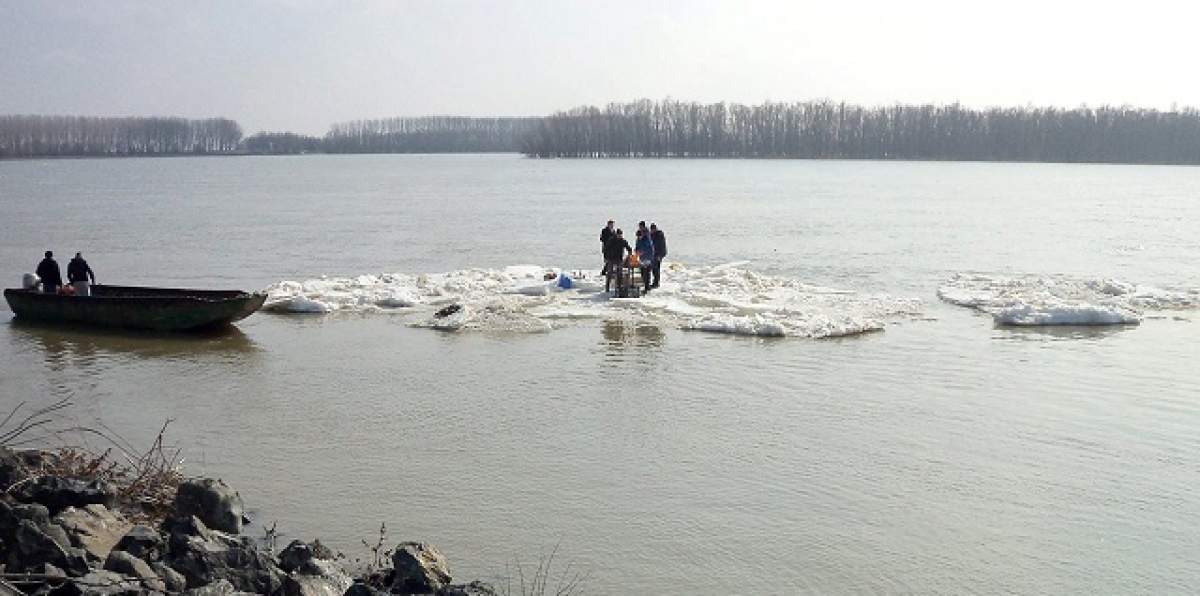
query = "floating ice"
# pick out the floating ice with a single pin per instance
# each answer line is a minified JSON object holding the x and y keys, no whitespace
{"x":1079,"y":314}
{"x":1061,"y":300}
{"x":728,"y":298}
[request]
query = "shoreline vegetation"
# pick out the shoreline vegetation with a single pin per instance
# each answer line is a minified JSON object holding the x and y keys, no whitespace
{"x":119,"y":521}
{"x":664,"y":129}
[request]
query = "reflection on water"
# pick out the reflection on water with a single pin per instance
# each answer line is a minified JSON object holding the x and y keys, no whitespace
{"x":628,"y":342}
{"x":1059,"y":332}
{"x":83,"y":346}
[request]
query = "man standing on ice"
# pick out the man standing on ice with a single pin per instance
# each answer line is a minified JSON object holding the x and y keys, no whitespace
{"x":605,"y":234}
{"x":660,"y":251}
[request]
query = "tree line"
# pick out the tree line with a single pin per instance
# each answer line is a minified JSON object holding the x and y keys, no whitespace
{"x":838,"y":130}
{"x":812,"y":130}
{"x":429,"y":134}
{"x":425,"y":134}
{"x":33,"y":136}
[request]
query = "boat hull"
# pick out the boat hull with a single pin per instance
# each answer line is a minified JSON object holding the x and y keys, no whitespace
{"x":130,"y":307}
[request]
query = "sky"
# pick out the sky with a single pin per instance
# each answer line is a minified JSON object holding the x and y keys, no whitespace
{"x":290,"y":65}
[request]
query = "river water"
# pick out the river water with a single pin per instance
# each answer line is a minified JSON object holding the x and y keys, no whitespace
{"x":891,"y":440}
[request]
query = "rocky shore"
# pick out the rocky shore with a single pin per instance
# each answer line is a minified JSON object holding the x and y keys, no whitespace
{"x":74,"y":535}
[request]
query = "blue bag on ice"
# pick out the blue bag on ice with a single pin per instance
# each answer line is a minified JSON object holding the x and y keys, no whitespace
{"x":564,"y":282}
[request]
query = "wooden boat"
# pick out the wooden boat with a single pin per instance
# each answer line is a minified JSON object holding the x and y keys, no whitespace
{"x":131,"y":307}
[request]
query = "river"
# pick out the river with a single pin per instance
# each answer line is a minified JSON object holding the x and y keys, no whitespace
{"x":894,"y":439}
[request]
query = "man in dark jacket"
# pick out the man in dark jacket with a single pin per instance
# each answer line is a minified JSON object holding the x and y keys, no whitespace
{"x":615,"y":249}
{"x":608,"y":232}
{"x":660,"y":251}
{"x":79,"y":274}
{"x":51,"y":276}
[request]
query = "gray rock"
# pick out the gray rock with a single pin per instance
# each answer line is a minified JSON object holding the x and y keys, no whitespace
{"x":58,"y":493}
{"x":93,"y":528}
{"x":217,"y":505}
{"x":16,"y":464}
{"x":173,"y":580}
{"x":29,"y":540}
{"x":317,"y":577}
{"x":361,"y":589}
{"x":475,"y":588}
{"x":52,"y":571}
{"x":186,"y":526}
{"x":127,"y":564}
{"x":33,"y":548}
{"x":212,"y":555}
{"x":142,"y":542}
{"x":295,"y":554}
{"x":100,"y":583}
{"x":33,"y":512}
{"x":298,"y":552}
{"x":419,"y":568}
{"x":218,"y":588}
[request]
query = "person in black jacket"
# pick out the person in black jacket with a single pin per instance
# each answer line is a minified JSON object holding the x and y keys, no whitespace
{"x":79,"y":273}
{"x":660,"y":251}
{"x":608,"y":232}
{"x":51,"y":276}
{"x":615,"y":249}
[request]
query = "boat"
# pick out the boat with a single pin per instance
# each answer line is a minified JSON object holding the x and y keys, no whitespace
{"x":133,"y":307}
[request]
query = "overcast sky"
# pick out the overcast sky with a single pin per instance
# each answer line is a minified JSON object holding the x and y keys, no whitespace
{"x":293,"y":65}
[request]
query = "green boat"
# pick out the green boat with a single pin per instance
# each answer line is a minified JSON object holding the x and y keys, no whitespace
{"x":131,"y":307}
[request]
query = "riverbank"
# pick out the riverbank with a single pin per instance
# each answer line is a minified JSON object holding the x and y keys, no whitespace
{"x":77,"y":524}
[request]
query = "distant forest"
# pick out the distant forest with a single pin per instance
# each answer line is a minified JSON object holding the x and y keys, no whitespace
{"x":670,"y":129}
{"x":830,"y":130}
{"x":431,"y":134}
{"x":34,"y":136}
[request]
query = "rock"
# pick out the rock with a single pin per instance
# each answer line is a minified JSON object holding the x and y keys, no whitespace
{"x":173,"y":580}
{"x":446,"y":311}
{"x":191,"y":525}
{"x":206,"y":556}
{"x":17,"y":464}
{"x":10,"y":515}
{"x":58,"y":493}
{"x":51,"y":571}
{"x":127,"y":564}
{"x":217,"y":505}
{"x":295,"y":554}
{"x":298,"y":552}
{"x":31,"y":548}
{"x":475,"y":588}
{"x":99,"y":583}
{"x":317,"y":577}
{"x":220,"y":587}
{"x":142,"y":542}
{"x":361,"y":589}
{"x":93,"y":528}
{"x":418,"y":568}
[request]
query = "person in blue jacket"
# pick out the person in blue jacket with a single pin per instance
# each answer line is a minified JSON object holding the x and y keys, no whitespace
{"x":645,"y":250}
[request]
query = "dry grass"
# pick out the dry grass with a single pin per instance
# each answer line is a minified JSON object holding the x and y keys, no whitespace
{"x":145,"y":480}
{"x":567,"y":581}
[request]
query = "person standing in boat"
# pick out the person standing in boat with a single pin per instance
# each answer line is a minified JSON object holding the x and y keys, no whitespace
{"x":50,"y":274}
{"x":660,"y":252}
{"x":645,"y":249}
{"x":615,"y":250}
{"x":79,"y":273}
{"x":609,"y":231}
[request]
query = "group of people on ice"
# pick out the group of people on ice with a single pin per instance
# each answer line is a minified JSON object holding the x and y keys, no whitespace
{"x":647,"y":254}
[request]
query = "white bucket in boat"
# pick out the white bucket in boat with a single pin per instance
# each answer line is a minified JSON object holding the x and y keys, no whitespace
{"x":30,"y":281}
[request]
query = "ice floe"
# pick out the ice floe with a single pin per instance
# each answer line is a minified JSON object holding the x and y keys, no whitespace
{"x":1062,"y":300}
{"x":731,"y":298}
